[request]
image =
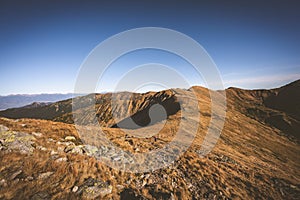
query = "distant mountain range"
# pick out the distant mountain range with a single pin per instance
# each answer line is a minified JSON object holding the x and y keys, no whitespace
{"x":19,"y":100}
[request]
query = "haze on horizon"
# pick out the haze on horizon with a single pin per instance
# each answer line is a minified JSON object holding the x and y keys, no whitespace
{"x":43,"y":43}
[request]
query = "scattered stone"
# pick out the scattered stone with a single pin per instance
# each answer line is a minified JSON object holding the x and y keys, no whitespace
{"x":29,"y":178}
{"x":144,"y":183}
{"x":3,"y":128}
{"x":75,"y":189}
{"x":60,"y":149}
{"x":115,"y":158}
{"x":293,"y":186}
{"x":172,"y":197}
{"x":78,"y":149}
{"x":63,"y":159}
{"x":42,"y":148}
{"x":93,"y":188}
{"x":223,"y":158}
{"x":37,"y":134}
{"x":150,"y":181}
{"x":51,"y":140}
{"x":95,"y":191}
{"x":3,"y":183}
{"x":53,"y":152}
{"x":136,"y":149}
{"x":70,"y":138}
{"x":119,"y":187}
{"x":45,"y":175}
{"x":90,"y":150}
{"x":15,"y":174}
{"x":15,"y":181}
{"x":74,"y":149}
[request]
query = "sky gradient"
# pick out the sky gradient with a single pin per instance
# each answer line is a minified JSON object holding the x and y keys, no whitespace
{"x":43,"y":43}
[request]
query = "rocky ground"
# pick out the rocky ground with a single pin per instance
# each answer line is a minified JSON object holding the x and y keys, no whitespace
{"x":46,"y":160}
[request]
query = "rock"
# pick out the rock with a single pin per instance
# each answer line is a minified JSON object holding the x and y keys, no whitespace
{"x":2,"y":146}
{"x":75,"y":189}
{"x":93,"y":188}
{"x":115,"y":158}
{"x":68,"y":149}
{"x":60,"y":149}
{"x":42,"y":148}
{"x":16,"y":141}
{"x":15,"y":174}
{"x":223,"y":158}
{"x":53,"y":152}
{"x":150,"y":181}
{"x":172,"y":197}
{"x":147,"y":176}
{"x":51,"y":140}
{"x":37,"y":134}
{"x":144,"y":183}
{"x":293,"y":186}
{"x":136,"y":149}
{"x":78,"y":149}
{"x":90,"y":150}
{"x":3,"y":128}
{"x":74,"y":149}
{"x":3,"y":183}
{"x":119,"y":187}
{"x":45,"y":175}
{"x":63,"y":159}
{"x":15,"y":181}
{"x":29,"y":178}
{"x":70,"y":138}
{"x":96,"y":191}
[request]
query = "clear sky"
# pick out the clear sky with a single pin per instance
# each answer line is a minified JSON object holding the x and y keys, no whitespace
{"x":255,"y":44}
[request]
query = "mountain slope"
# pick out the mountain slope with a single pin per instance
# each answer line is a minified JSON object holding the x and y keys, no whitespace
{"x":277,"y":107}
{"x":42,"y":159}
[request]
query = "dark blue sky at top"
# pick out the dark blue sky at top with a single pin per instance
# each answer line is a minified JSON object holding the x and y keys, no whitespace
{"x":255,"y":44}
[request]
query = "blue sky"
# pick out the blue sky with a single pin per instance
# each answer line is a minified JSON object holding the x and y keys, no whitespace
{"x":254,"y":44}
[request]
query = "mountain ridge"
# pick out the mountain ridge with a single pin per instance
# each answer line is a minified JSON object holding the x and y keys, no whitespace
{"x":278,"y":107}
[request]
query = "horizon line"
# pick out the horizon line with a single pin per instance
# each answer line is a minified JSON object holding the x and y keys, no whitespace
{"x":109,"y":91}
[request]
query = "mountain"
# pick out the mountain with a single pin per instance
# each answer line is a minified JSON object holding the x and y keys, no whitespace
{"x":19,"y":100}
{"x":277,"y":107}
{"x":256,"y":157}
